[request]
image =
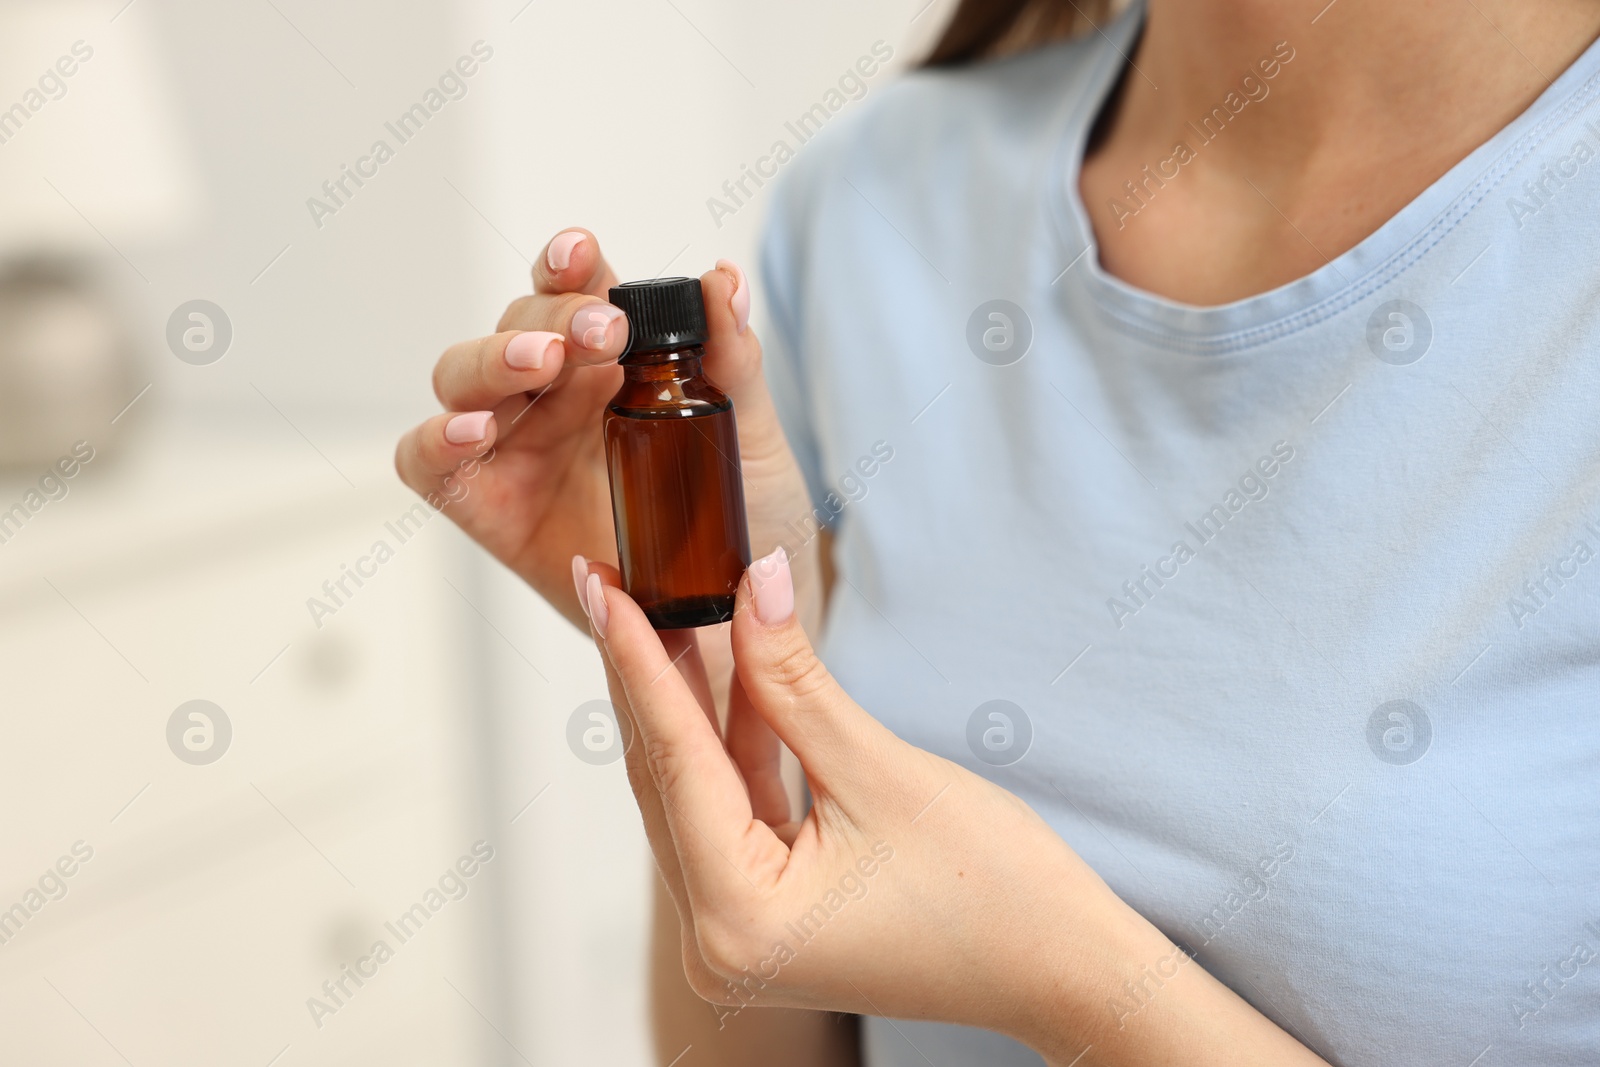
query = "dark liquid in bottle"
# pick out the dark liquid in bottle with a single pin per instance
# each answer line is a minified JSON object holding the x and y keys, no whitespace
{"x":677,"y":494}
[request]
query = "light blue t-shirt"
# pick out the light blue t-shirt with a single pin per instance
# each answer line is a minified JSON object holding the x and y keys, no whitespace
{"x":1285,"y":613}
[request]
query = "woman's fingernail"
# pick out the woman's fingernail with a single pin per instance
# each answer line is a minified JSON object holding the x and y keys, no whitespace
{"x":559,"y":255}
{"x":526,"y":351}
{"x":592,"y":324}
{"x":740,"y":301}
{"x":597,"y":606}
{"x":465,"y":429}
{"x":772,"y":588}
{"x":580,"y":575}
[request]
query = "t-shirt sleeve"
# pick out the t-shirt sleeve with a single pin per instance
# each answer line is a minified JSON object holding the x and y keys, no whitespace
{"x":789,"y":377}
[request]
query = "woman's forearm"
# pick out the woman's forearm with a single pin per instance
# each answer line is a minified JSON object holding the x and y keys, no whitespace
{"x":1126,"y":996}
{"x":725,"y":1036}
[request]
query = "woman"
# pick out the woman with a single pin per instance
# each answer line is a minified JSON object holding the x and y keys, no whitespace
{"x":1201,"y":409}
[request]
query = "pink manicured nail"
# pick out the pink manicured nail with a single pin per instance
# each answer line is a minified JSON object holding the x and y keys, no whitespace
{"x":772,"y":587}
{"x":597,"y":606}
{"x":580,"y":574}
{"x":465,"y":429}
{"x":559,"y":255}
{"x":526,"y":351}
{"x":592,"y":324}
{"x":740,"y":301}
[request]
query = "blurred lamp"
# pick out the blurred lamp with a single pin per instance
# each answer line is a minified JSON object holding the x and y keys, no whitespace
{"x":92,"y":170}
{"x":95,"y":158}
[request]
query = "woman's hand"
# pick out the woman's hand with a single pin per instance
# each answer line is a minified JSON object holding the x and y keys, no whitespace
{"x":911,"y":889}
{"x":529,"y":398}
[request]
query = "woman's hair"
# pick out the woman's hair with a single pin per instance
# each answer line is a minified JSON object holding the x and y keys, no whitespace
{"x":982,"y":29}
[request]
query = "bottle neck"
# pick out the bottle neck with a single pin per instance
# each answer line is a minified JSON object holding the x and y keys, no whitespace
{"x":667,"y":384}
{"x":666,"y":364}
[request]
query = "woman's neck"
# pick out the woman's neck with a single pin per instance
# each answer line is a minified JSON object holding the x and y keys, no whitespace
{"x":1306,"y":127}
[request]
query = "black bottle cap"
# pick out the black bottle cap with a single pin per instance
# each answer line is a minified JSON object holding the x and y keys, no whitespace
{"x":662,"y":313}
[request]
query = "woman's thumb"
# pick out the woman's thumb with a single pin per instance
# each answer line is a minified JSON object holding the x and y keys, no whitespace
{"x":780,"y":672}
{"x":733,"y":361}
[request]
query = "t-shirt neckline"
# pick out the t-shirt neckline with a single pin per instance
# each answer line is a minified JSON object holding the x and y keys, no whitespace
{"x":1349,"y":278}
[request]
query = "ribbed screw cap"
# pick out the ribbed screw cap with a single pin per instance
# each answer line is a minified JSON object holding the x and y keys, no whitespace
{"x":662,"y":313}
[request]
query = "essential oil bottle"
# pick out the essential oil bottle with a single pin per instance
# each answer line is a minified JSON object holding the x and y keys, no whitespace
{"x":672,"y":451}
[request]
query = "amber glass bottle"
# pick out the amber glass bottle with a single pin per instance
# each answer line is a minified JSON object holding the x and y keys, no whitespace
{"x":673,"y":454}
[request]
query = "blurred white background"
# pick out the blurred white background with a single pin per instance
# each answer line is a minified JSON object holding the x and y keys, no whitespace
{"x":370,"y":754}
